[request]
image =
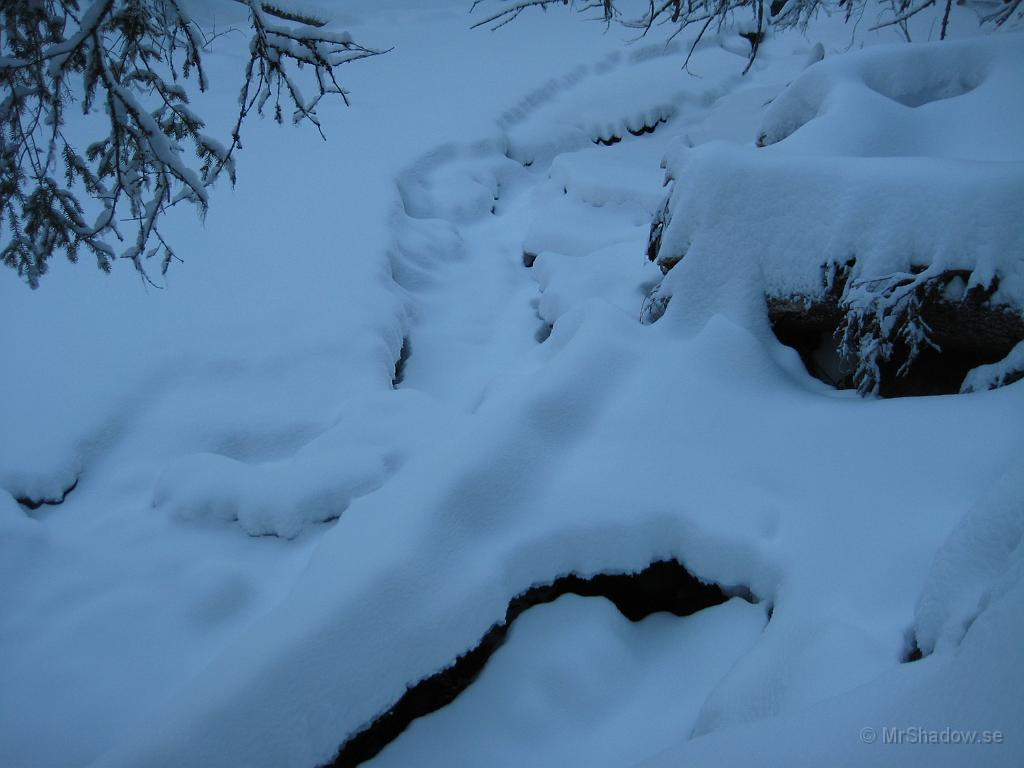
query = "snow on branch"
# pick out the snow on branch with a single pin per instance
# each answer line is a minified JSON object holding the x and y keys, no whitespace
{"x":679,"y":14}
{"x":127,"y":60}
{"x":881,"y":313}
{"x":511,"y":12}
{"x":752,"y":18}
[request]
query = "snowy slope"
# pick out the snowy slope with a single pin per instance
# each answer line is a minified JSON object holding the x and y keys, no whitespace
{"x":539,"y":429}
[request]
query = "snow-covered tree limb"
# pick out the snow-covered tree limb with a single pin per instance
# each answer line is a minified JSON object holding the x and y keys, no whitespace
{"x":678,"y":14}
{"x":127,"y":60}
{"x":754,"y":17}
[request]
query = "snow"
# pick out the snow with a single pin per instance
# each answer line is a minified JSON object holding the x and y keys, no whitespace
{"x":983,"y":550}
{"x":974,"y":691}
{"x":269,"y":543}
{"x":887,"y":136}
{"x":911,"y":170}
{"x":354,"y":457}
{"x":996,"y":374}
{"x":577,"y":684}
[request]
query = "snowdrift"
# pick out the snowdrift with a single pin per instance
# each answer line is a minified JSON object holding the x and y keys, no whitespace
{"x":880,"y":207}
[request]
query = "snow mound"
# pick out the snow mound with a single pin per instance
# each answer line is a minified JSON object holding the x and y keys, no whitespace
{"x":980,"y":551}
{"x":458,"y":184}
{"x":317,"y":484}
{"x":876,"y":188}
{"x":799,"y":215}
{"x":565,"y":226}
{"x":577,"y":685}
{"x":627,"y":176}
{"x":910,"y":76}
{"x":616,"y":273}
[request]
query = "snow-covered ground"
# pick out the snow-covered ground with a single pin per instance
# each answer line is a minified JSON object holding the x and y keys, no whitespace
{"x":267,"y":542}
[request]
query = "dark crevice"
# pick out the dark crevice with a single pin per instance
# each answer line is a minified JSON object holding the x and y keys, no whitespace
{"x":646,"y":129}
{"x":969,"y":333}
{"x":607,"y":141}
{"x":529,"y":259}
{"x":403,"y":358}
{"x":912,"y":653}
{"x":663,"y":586}
{"x":34,"y":504}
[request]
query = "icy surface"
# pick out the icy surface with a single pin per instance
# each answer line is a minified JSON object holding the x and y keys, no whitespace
{"x":539,"y":428}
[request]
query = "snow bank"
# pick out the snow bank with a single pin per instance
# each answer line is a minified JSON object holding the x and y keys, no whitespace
{"x":789,"y":219}
{"x":875,"y":184}
{"x":906,"y":100}
{"x":956,"y":710}
{"x":576,"y":684}
{"x":875,"y":178}
{"x":982,"y":551}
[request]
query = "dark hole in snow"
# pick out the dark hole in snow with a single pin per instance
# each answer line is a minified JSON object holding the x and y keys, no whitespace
{"x":529,"y":259}
{"x":33,"y":504}
{"x":912,"y":653}
{"x":403,"y":358}
{"x":817,"y":349}
{"x":933,"y":372}
{"x":664,"y":585}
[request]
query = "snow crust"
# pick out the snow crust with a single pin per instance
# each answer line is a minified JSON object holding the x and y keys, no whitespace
{"x":150,"y":621}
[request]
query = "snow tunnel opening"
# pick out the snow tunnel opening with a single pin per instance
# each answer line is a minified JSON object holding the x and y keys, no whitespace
{"x":663,"y":586}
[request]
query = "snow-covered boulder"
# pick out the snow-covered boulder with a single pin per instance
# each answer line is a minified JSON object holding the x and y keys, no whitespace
{"x":876,"y":209}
